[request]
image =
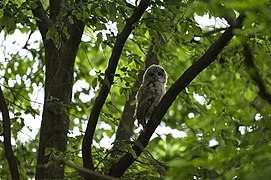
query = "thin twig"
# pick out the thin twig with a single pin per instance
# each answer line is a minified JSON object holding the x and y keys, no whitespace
{"x":26,"y":43}
{"x":82,"y":169}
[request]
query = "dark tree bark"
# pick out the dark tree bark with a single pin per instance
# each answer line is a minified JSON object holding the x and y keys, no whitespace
{"x":254,"y":74}
{"x":125,"y":128}
{"x":59,"y":63}
{"x":123,"y":164}
{"x":107,"y":82}
{"x":12,"y":162}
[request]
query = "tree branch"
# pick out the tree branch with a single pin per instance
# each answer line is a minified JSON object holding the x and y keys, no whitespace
{"x":12,"y":162}
{"x":254,"y":74}
{"x":127,"y":119}
{"x":208,"y":33}
{"x":125,"y":128}
{"x":26,"y":43}
{"x":123,"y":164}
{"x":129,"y":5}
{"x":42,"y":20}
{"x":83,"y":170}
{"x":108,"y":81}
{"x":55,"y":7}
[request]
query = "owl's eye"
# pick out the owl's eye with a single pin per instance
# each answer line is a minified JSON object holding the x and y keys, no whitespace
{"x":159,"y":73}
{"x":151,"y":74}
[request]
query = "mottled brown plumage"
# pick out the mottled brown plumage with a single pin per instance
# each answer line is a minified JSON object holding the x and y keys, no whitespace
{"x":150,"y":93}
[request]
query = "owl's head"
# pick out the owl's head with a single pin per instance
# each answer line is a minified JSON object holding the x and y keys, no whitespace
{"x":155,"y":73}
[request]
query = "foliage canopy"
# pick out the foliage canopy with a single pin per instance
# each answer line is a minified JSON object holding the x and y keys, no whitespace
{"x":218,"y":127}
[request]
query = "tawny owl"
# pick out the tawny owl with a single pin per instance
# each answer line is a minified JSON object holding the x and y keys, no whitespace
{"x":150,"y":93}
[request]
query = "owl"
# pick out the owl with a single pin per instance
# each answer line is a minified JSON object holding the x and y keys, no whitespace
{"x":150,"y":93}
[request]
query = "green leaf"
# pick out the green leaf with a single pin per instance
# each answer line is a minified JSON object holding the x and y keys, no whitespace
{"x":65,"y":31}
{"x":194,"y":141}
{"x":33,"y":5}
{"x":48,"y":151}
{"x":249,"y":94}
{"x":51,"y":34}
{"x":71,"y":21}
{"x":94,"y":83}
{"x":132,"y":152}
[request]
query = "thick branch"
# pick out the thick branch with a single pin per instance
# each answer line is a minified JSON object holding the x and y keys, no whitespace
{"x":107,"y":82}
{"x":129,"y":5}
{"x":123,"y":164}
{"x":55,"y":7}
{"x":255,"y":74}
{"x":42,"y":20}
{"x":13,"y":168}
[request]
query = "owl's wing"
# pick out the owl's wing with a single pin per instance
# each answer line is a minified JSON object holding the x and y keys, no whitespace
{"x":143,"y":106}
{"x":145,"y":98}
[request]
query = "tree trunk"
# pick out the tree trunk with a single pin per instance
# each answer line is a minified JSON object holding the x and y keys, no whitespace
{"x":58,"y":91}
{"x":125,"y":128}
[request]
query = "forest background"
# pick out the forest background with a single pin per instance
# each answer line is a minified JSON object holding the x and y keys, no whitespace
{"x":79,"y":80}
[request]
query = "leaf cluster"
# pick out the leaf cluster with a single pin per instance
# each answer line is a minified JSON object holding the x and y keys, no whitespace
{"x":219,"y":126}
